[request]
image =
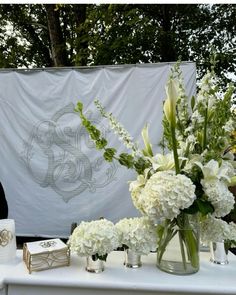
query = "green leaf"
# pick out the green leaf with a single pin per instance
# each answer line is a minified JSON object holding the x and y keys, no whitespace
{"x":160,"y":231}
{"x":95,"y":257}
{"x":193,"y":209}
{"x":204,"y":206}
{"x":200,"y":205}
{"x":192,"y":102}
{"x":102,"y":257}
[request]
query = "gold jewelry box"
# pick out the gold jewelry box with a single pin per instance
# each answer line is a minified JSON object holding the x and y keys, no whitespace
{"x":45,"y":254}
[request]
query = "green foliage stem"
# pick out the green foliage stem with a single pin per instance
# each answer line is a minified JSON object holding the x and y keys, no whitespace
{"x":174,"y":145}
{"x":109,"y":153}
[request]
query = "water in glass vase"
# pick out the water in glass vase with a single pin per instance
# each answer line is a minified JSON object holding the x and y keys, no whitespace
{"x":178,"y":247}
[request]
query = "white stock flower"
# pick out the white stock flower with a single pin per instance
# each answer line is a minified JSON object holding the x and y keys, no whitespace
{"x":219,"y":195}
{"x":196,"y":117}
{"x":138,"y":234}
{"x":191,"y":139}
{"x":215,"y":230}
{"x":205,"y":96}
{"x":95,"y":237}
{"x":165,"y":194}
{"x":118,"y":128}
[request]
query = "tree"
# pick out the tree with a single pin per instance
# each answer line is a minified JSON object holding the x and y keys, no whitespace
{"x":57,"y":41}
{"x":24,"y":37}
{"x":41,"y":35}
{"x":85,"y":34}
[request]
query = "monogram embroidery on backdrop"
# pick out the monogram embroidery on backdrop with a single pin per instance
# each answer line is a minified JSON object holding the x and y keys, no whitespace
{"x":60,"y":143}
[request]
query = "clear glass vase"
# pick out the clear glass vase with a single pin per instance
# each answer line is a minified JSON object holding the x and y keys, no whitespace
{"x":132,"y":259}
{"x":95,"y":266}
{"x":178,"y":247}
{"x":219,"y":253}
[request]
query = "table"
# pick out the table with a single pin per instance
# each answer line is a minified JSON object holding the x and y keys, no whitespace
{"x":117,"y":279}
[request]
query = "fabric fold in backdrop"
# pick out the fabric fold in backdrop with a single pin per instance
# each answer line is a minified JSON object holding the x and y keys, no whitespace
{"x":51,"y":172}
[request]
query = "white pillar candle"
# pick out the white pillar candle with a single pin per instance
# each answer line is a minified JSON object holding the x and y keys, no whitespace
{"x":7,"y":240}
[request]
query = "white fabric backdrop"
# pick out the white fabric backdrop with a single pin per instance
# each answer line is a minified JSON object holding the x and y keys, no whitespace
{"x":51,"y":172}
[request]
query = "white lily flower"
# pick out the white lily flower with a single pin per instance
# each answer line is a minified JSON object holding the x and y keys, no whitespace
{"x":148,"y":147}
{"x":139,"y":182}
{"x":170,"y":103}
{"x":213,"y":171}
{"x":210,"y":170}
{"x":229,"y":156}
{"x":163,"y":162}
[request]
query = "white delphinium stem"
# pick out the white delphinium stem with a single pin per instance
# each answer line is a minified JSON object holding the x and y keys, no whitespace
{"x":118,"y":129}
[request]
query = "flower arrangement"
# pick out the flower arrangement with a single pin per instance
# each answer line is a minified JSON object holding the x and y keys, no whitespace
{"x":192,"y":174}
{"x":95,"y":238}
{"x":137,"y":234}
{"x":217,"y":230}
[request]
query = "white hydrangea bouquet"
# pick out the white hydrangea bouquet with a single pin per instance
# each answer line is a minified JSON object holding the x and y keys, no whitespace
{"x":137,"y":234}
{"x":218,"y":230}
{"x":96,"y":238}
{"x":191,"y":176}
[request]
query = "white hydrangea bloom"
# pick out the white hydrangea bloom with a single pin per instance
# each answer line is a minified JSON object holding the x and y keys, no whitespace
{"x":214,"y":230}
{"x":138,"y":234}
{"x":95,"y":237}
{"x":219,"y":195}
{"x":232,"y":228}
{"x":165,"y":194}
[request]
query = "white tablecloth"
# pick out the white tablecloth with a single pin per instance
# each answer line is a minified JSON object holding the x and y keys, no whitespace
{"x":117,"y":279}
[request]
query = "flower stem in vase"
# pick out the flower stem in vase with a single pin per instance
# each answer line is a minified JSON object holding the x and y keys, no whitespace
{"x":189,"y":239}
{"x":166,"y":233}
{"x":175,"y":153}
{"x":182,"y":249}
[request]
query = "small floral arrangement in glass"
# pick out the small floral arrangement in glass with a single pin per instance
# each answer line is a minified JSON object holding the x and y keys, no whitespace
{"x":191,"y":180}
{"x":94,"y":239}
{"x":137,"y":234}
